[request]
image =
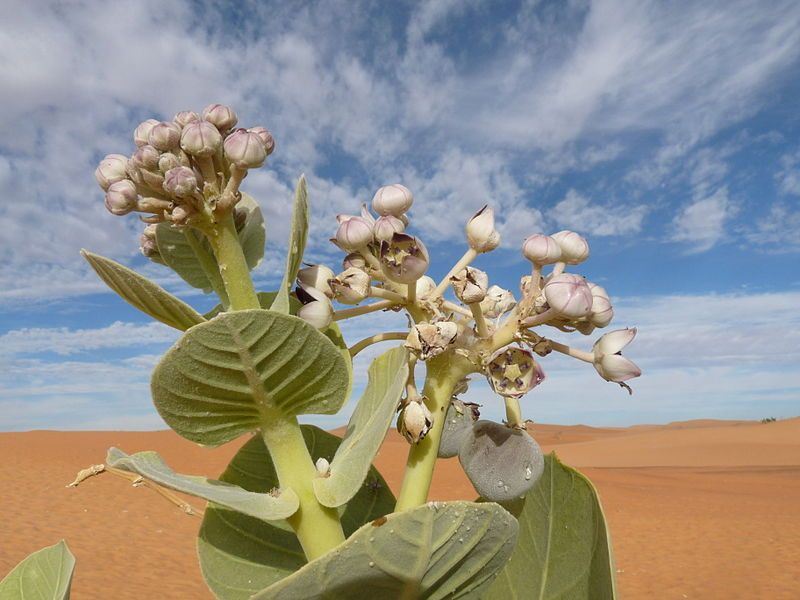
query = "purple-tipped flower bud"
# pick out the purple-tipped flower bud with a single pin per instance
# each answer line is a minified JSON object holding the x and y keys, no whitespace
{"x":470,"y":285}
{"x":168,"y":161}
{"x":165,"y":136}
{"x":221,"y":116}
{"x":200,"y":138}
{"x":317,"y":277}
{"x":121,"y":197}
{"x":354,"y":233}
{"x":608,"y":359}
{"x":512,"y":372}
{"x":481,"y":234}
{"x":385,"y":227}
{"x":317,"y":309}
{"x":498,"y":301}
{"x":602,"y":311}
{"x":141,"y":135}
{"x":415,"y":420}
{"x":351,"y":286}
{"x":180,"y":182}
{"x":181,"y":214}
{"x":541,"y":249}
{"x":569,"y":295}
{"x":266,"y":138}
{"x":426,"y":340}
{"x":147,"y":242}
{"x":404,"y":258}
{"x":146,"y":157}
{"x":244,"y":149}
{"x":111,"y":169}
{"x":574,"y":247}
{"x":185,"y":117}
{"x":392,"y":200}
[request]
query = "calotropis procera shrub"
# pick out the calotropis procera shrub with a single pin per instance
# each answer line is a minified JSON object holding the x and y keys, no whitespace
{"x":300,"y":513}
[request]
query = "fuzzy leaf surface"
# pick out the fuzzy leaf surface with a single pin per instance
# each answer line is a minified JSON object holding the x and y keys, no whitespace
{"x":218,"y":380}
{"x":366,"y":429}
{"x":564,"y":551}
{"x":43,"y":575}
{"x":143,"y":294}
{"x":439,"y":550}
{"x":297,"y":245}
{"x":265,"y":300}
{"x":268,"y":506}
{"x":240,"y":555}
{"x":253,"y":235}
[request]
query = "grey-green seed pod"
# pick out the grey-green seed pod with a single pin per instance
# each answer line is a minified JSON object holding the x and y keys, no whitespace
{"x":458,"y":424}
{"x":503,"y":463}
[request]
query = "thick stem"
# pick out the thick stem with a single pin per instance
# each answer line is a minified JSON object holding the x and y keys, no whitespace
{"x":412,"y":293}
{"x":463,"y":262}
{"x":539,"y":319}
{"x":232,"y":264}
{"x":317,"y":527}
{"x":441,"y":380}
{"x":209,"y":266}
{"x":456,"y":308}
{"x":514,"y":413}
{"x":379,"y":292}
{"x":480,"y":322}
{"x":347,"y":313}
{"x":573,"y":352}
{"x":374,"y":339}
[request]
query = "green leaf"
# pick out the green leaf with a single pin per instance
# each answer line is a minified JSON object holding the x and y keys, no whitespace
{"x":265,"y":299}
{"x":435,"y":551}
{"x":366,"y":429}
{"x":143,"y":294}
{"x":44,"y":575}
{"x":253,"y":235}
{"x":239,"y":555}
{"x":564,"y":550}
{"x":297,"y":245}
{"x":223,"y":376}
{"x":272,"y":505}
{"x":177,"y":253}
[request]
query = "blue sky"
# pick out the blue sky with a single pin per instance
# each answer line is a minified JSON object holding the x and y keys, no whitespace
{"x":665,"y":132}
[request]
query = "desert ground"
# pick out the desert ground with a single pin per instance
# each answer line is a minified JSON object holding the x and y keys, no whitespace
{"x":698,"y":509}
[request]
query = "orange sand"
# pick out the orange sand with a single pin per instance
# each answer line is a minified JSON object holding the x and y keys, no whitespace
{"x":701,"y":509}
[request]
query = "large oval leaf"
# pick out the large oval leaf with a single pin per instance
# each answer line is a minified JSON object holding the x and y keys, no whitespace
{"x":272,"y":505}
{"x":221,"y":377}
{"x":564,"y":551}
{"x":252,"y":235}
{"x":436,"y":551}
{"x":366,"y":429}
{"x":239,"y":555}
{"x":297,"y":245}
{"x":44,"y":575}
{"x":143,"y":294}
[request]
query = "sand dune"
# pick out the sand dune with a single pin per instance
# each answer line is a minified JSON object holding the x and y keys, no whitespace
{"x":700,"y":509}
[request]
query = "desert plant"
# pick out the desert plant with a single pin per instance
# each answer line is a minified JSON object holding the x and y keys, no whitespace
{"x":300,"y":513}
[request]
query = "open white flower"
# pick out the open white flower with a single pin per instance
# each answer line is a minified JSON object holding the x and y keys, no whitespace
{"x":608,"y":359}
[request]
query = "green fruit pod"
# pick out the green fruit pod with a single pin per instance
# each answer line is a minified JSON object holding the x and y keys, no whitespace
{"x":458,"y":424}
{"x":503,"y":463}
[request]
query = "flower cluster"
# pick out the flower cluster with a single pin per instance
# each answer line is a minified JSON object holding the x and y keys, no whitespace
{"x":183,"y":171}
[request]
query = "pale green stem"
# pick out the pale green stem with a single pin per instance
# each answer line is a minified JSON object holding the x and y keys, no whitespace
{"x":558,"y":268}
{"x":514,"y":413}
{"x":374,"y":339}
{"x":506,"y":333}
{"x":348,"y":313}
{"x":573,"y":352}
{"x":480,"y":322}
{"x":412,"y":293}
{"x":370,"y":258}
{"x":206,"y":164}
{"x":462,"y":263}
{"x":317,"y":527}
{"x":379,"y":292}
{"x":232,"y":264}
{"x":536,"y":280}
{"x":456,"y":308}
{"x":539,"y":319}
{"x":228,"y":197}
{"x":209,"y":266}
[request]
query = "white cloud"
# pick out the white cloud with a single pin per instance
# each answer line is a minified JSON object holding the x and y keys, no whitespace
{"x":577,"y":212}
{"x":702,"y":223}
{"x":779,"y":230}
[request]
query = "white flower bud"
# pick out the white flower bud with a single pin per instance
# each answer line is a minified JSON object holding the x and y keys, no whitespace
{"x":481,"y":234}
{"x":608,"y":359}
{"x":470,"y":285}
{"x":146,"y":157}
{"x":266,"y":138}
{"x":541,"y":249}
{"x":354,"y":233}
{"x":317,"y":277}
{"x":574,"y":247}
{"x":512,"y":372}
{"x":180,"y":182}
{"x":185,"y":117}
{"x":323,"y":467}
{"x":425,"y":285}
{"x":147,"y":243}
{"x":385,"y":227}
{"x":168,"y":161}
{"x":181,"y":213}
{"x":354,"y":260}
{"x":245,"y":149}
{"x":498,"y":301}
{"x":154,"y":179}
{"x":111,"y":169}
{"x":404,"y":258}
{"x":165,"y":136}
{"x":392,"y":200}
{"x":200,"y":138}
{"x":602,"y":311}
{"x":415,"y":420}
{"x":317,"y":309}
{"x":121,"y":197}
{"x":351,"y":286}
{"x":569,"y":295}
{"x":221,"y":116}
{"x":427,"y":340}
{"x":141,"y":135}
